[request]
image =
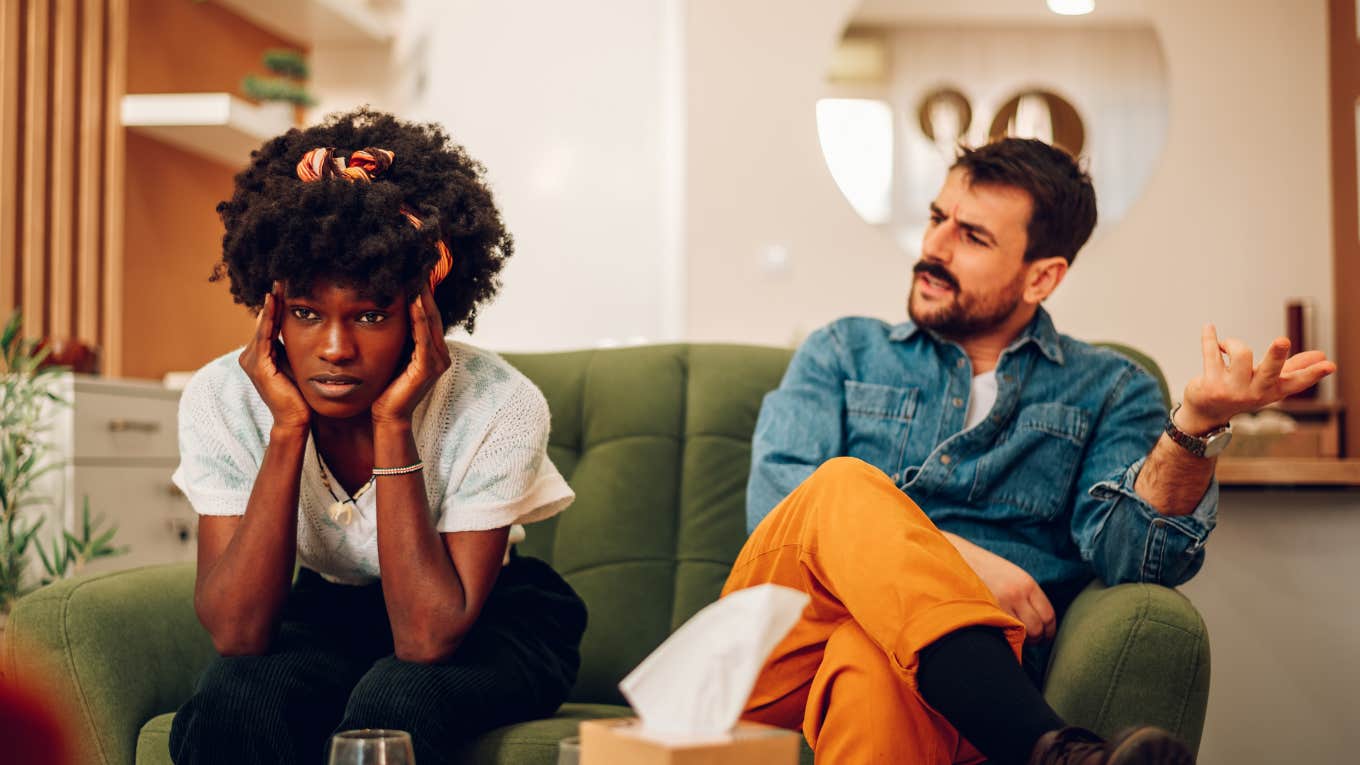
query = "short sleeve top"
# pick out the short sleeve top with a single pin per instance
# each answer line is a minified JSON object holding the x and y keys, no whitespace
{"x":482,"y":433}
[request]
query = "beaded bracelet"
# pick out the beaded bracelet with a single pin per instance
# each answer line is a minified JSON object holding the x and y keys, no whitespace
{"x":399,"y":470}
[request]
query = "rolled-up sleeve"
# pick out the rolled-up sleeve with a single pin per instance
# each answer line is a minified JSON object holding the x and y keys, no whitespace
{"x":1117,"y":531}
{"x":801,"y":425}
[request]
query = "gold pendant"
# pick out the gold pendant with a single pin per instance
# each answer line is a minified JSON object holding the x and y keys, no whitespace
{"x":341,"y":513}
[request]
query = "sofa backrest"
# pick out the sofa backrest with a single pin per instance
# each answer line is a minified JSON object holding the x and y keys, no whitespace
{"x":656,"y":442}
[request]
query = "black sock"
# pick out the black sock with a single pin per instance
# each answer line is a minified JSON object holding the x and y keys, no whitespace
{"x":972,"y":678}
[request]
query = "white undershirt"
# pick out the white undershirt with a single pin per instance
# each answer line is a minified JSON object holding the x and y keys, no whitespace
{"x":980,"y":399}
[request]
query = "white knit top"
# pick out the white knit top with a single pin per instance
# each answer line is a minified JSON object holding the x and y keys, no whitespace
{"x":482,"y":432}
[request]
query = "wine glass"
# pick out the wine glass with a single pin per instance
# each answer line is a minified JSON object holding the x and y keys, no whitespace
{"x":569,"y":751}
{"x":372,"y":746}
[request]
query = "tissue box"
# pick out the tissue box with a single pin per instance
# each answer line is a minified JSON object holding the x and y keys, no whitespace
{"x":620,"y":741}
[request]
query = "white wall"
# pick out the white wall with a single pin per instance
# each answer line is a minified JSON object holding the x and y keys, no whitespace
{"x":573,"y":109}
{"x":1114,"y":76}
{"x":1234,"y":221}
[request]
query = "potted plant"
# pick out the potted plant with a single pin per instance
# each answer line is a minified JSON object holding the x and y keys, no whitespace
{"x":285,"y":88}
{"x":28,"y":400}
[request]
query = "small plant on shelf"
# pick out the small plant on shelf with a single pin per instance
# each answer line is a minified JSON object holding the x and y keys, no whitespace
{"x":287,"y":83}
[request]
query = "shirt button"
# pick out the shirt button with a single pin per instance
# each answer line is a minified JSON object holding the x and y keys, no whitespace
{"x":958,"y":402}
{"x":945,"y":459}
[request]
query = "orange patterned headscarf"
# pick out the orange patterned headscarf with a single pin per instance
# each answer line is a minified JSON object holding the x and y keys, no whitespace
{"x":362,"y":167}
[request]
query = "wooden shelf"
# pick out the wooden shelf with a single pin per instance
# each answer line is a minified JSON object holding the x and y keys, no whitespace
{"x":1288,"y":471}
{"x":1307,"y":406}
{"x":219,"y":126}
{"x":315,"y":21}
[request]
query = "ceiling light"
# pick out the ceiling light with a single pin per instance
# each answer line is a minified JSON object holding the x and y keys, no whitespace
{"x":1071,"y":7}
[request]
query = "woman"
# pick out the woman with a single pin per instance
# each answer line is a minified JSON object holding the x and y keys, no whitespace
{"x":350,"y":438}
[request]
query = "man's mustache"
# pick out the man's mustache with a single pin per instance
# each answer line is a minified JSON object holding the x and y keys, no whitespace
{"x":936,"y":271}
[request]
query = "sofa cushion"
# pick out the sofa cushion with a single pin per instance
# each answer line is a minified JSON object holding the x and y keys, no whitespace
{"x":530,"y":743}
{"x":153,"y":741}
{"x":656,"y":441}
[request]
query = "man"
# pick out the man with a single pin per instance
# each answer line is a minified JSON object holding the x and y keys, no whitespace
{"x":944,"y":487}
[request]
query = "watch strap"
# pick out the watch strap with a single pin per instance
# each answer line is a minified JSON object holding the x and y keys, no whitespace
{"x":1188,"y":442}
{"x":1196,"y":445}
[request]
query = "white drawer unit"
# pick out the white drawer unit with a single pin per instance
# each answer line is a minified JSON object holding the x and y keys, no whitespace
{"x":125,"y":422}
{"x":120,"y":446}
{"x":155,"y":522}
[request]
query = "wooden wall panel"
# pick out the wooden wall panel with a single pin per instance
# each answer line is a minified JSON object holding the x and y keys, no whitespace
{"x":173,"y":317}
{"x":114,"y":162}
{"x":61,"y":86}
{"x":1344,"y":53}
{"x":181,"y":320}
{"x":89,"y":169}
{"x":11,"y":52}
{"x":33,"y":175}
{"x":76,"y":256}
{"x":185,"y":47}
{"x":61,"y":200}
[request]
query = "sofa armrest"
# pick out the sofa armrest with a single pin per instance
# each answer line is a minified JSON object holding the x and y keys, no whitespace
{"x":118,"y":648}
{"x":1131,"y":654}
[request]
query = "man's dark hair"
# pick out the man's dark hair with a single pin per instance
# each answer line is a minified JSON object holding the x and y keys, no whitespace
{"x":279,"y":228}
{"x":1064,"y":202}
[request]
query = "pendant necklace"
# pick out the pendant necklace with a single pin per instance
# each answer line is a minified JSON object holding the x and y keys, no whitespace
{"x":341,"y":510}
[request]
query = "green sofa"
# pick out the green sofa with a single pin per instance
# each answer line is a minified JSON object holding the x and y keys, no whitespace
{"x":656,"y":442}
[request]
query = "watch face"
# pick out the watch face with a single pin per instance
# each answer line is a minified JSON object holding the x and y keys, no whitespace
{"x":1215,"y":444}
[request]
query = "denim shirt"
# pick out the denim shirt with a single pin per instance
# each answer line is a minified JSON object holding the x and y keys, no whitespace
{"x":1045,"y":481}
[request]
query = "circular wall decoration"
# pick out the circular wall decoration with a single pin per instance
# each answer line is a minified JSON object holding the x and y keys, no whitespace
{"x":949,"y":100}
{"x":1053,"y":111}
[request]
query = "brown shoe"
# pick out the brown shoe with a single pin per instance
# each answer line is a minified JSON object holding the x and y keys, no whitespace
{"x":1137,"y":746}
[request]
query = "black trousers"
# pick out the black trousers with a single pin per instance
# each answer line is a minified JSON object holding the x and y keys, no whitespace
{"x":332,"y":668}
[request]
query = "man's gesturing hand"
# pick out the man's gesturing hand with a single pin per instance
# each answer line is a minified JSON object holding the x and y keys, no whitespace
{"x":1234,"y":387}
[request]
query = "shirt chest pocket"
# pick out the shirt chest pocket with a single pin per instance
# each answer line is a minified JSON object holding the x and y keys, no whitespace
{"x":1033,"y":464}
{"x":877,"y":422}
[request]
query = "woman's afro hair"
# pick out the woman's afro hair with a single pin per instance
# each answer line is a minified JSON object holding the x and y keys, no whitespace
{"x":281,"y":229}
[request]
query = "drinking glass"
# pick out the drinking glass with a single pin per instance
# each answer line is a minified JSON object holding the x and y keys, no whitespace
{"x":372,"y":746}
{"x":569,"y":751}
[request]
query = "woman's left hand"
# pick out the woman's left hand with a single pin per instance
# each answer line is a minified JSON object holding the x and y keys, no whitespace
{"x":429,"y":360}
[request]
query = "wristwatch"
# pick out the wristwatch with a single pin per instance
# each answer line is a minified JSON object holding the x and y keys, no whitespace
{"x":1210,"y":444}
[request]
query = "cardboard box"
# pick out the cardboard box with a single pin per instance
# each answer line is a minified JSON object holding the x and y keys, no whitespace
{"x":620,"y":741}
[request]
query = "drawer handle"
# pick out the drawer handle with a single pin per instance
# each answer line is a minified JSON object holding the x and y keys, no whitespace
{"x":138,"y":426}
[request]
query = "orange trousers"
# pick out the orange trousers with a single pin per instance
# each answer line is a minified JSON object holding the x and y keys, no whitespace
{"x":884,"y":583}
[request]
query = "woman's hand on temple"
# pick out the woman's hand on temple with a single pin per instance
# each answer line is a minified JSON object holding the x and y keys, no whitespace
{"x":429,"y":360}
{"x":266,"y":364}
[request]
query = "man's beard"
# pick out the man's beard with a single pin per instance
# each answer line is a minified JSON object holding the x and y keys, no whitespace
{"x":967,"y":315}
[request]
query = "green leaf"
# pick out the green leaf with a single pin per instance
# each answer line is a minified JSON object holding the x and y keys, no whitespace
{"x":104,"y":539}
{"x":12,"y":326}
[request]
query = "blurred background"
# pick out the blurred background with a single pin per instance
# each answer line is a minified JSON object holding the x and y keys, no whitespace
{"x":741,"y":171}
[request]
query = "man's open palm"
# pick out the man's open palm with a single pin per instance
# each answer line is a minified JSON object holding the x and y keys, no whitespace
{"x":1231,"y":387}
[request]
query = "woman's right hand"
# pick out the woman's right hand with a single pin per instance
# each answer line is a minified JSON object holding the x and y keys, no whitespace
{"x":266,"y":364}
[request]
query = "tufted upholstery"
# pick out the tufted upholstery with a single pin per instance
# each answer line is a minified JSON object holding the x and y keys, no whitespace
{"x":655,"y":441}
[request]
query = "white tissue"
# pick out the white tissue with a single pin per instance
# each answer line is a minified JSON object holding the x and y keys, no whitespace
{"x":697,"y":682}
